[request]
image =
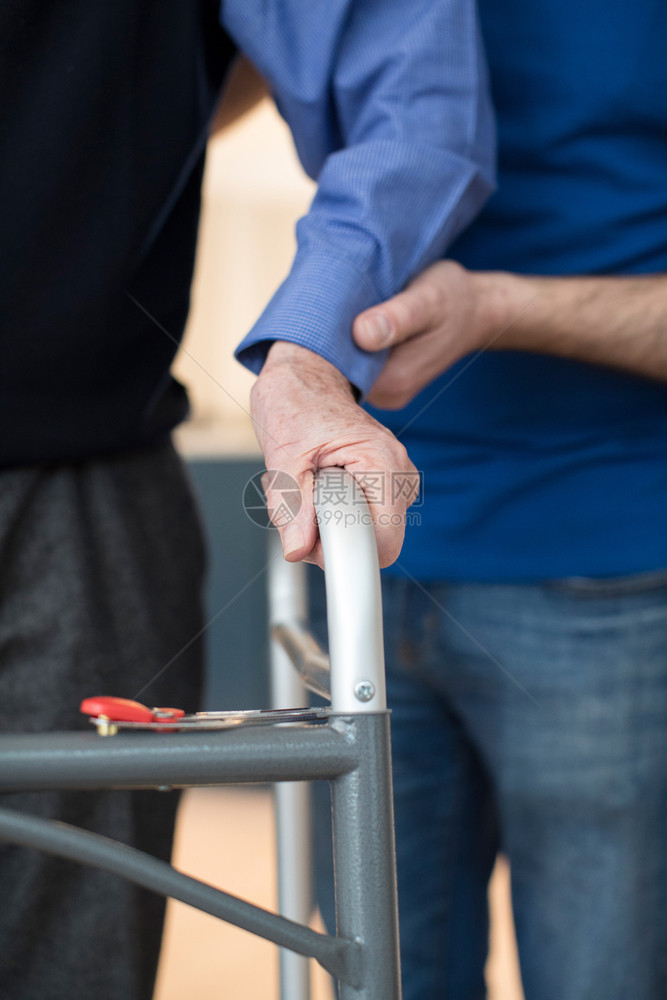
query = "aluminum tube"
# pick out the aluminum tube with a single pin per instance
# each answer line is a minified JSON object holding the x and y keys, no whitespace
{"x":287,"y":586}
{"x":287,"y":605}
{"x":354,"y":600}
{"x":310,"y":663}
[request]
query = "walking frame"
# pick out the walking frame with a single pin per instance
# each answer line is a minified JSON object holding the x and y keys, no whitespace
{"x":348,"y":745}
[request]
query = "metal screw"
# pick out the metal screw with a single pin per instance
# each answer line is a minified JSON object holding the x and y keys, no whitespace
{"x":364,"y":691}
{"x":105,"y":726}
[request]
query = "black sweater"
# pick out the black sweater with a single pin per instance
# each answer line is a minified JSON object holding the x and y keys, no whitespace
{"x":104,"y":113}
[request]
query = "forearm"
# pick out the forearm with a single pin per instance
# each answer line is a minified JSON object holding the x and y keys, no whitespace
{"x":615,"y":321}
{"x":389,"y":109}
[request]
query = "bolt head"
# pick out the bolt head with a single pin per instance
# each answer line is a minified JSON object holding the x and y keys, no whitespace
{"x":364,"y":691}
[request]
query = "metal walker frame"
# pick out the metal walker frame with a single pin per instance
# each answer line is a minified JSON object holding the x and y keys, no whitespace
{"x":347,"y":745}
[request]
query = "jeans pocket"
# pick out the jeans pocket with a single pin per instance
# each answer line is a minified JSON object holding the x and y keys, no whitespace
{"x":610,"y":586}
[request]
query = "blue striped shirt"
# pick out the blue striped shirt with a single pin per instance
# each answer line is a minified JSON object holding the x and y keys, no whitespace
{"x":389,"y":107}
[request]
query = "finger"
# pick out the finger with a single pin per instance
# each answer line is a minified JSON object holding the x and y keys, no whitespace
{"x":388,"y":494}
{"x":406,"y":315}
{"x":316,"y":555}
{"x":410,"y":367}
{"x":289,"y":501}
{"x":389,"y":526}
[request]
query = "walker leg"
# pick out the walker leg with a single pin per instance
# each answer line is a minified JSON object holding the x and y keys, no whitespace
{"x":287,"y":602}
{"x":364,"y":858}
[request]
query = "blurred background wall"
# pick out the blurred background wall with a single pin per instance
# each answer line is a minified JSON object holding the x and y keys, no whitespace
{"x":254,"y":191}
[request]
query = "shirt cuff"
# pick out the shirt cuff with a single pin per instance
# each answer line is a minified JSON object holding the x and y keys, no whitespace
{"x":315,"y":307}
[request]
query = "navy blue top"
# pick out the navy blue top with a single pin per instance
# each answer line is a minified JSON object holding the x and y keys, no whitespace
{"x":537,"y":467}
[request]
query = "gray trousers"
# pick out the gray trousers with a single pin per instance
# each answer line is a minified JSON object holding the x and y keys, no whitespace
{"x":101,"y":567}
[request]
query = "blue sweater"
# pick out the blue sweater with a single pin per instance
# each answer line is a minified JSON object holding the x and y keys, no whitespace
{"x":537,"y":467}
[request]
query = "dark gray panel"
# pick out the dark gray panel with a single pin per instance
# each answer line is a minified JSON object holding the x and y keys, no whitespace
{"x":236,"y":641}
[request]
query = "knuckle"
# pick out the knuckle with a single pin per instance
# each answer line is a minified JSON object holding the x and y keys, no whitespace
{"x":406,"y":311}
{"x":402,"y":455}
{"x":435,"y":297}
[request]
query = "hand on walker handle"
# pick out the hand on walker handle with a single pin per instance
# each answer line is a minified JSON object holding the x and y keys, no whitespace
{"x":306,"y":418}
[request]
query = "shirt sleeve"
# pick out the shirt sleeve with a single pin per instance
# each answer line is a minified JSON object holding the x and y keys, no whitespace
{"x":388,"y":104}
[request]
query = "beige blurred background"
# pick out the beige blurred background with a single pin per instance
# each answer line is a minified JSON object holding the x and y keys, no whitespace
{"x":253,"y":193}
{"x":226,"y":838}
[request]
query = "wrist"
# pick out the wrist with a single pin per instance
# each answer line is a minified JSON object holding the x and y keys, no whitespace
{"x":285,"y":356}
{"x":503,"y":301}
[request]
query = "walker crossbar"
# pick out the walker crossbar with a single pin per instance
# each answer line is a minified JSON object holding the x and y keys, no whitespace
{"x":350,"y":748}
{"x":172,"y":760}
{"x":311,"y":664}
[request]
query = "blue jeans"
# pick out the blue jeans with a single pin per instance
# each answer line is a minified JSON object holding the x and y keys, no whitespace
{"x":531,"y":719}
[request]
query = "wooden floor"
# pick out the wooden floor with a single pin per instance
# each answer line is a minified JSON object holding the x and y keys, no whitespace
{"x":225,"y":837}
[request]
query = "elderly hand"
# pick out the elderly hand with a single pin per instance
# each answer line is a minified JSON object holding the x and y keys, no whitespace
{"x":306,"y":418}
{"x":444,"y":314}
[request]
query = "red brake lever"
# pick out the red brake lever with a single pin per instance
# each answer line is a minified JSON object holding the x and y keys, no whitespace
{"x":125,"y":710}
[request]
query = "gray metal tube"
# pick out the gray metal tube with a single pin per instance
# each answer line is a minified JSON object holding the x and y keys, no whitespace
{"x":362,"y":803}
{"x":287,"y":606}
{"x":364,"y":858}
{"x":340,"y":958}
{"x":148,"y":760}
{"x":293,"y":843}
{"x":307,"y":659}
{"x":354,"y":600}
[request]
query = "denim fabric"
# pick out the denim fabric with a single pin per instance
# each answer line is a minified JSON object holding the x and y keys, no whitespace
{"x":531,"y":719}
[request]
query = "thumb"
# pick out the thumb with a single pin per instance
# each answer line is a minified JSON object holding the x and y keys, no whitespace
{"x":405,"y":315}
{"x":417,"y":309}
